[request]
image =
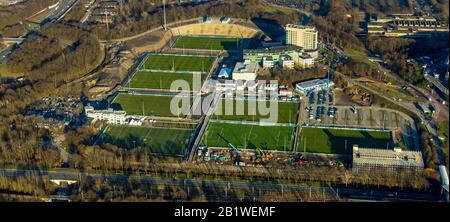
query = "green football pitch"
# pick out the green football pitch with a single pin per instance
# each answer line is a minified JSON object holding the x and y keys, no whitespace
{"x":333,"y":141}
{"x":248,"y":136}
{"x":286,"y":111}
{"x":149,"y":105}
{"x":157,"y":140}
{"x":163,"y":80}
{"x":179,"y":63}
{"x":208,"y":43}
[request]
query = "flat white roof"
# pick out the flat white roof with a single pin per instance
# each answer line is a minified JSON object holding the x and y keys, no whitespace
{"x":314,"y":82}
{"x":245,"y":68}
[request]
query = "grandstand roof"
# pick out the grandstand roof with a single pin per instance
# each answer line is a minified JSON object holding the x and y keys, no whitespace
{"x":388,"y":157}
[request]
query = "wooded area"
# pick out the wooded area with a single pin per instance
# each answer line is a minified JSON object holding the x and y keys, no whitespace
{"x":12,"y":18}
{"x":139,"y":16}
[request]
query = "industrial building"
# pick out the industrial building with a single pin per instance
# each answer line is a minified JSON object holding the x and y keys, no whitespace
{"x":245,"y":71}
{"x":313,"y":85}
{"x":385,"y":159}
{"x":302,"y":36}
{"x":397,"y":26}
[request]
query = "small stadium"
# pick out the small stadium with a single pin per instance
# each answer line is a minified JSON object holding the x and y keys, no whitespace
{"x":327,"y":140}
{"x":250,"y":129}
{"x":153,"y":105}
{"x":160,"y":141}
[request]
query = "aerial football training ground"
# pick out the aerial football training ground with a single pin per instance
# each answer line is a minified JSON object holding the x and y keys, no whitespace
{"x":287,"y":111}
{"x":160,"y":71}
{"x":341,"y":141}
{"x":162,"y":80}
{"x":182,"y":63}
{"x":247,"y":132}
{"x":147,"y":105}
{"x":208,"y":43}
{"x":164,"y":141}
{"x":248,"y":136}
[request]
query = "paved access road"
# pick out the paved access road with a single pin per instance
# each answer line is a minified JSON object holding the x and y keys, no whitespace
{"x":429,"y":123}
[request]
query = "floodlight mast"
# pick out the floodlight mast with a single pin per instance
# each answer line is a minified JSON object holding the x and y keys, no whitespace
{"x":164,"y":9}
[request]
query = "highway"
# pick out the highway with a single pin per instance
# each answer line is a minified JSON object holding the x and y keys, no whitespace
{"x":287,"y":6}
{"x":4,"y":55}
{"x":340,"y":192}
{"x":60,"y":11}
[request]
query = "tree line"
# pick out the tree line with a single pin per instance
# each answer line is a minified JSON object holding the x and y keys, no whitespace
{"x":140,"y":15}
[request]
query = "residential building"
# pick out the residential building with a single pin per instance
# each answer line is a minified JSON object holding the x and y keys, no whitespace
{"x":267,"y":62}
{"x":305,"y":61}
{"x":286,"y":62}
{"x":302,"y":36}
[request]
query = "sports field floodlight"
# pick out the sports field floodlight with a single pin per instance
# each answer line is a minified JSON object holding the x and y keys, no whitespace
{"x":164,"y":9}
{"x":173,"y":64}
{"x":345,"y":146}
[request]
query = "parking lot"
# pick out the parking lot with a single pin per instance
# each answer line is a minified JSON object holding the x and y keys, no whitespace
{"x":320,"y":110}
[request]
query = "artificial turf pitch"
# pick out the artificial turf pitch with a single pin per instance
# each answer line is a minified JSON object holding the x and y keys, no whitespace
{"x":332,"y":141}
{"x":286,"y":111}
{"x":157,"y":140}
{"x":162,"y":80}
{"x":179,"y":63}
{"x":147,"y":105}
{"x":248,"y":136}
{"x":208,"y":43}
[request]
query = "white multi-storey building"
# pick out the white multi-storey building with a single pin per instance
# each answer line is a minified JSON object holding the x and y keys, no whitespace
{"x":303,"y":36}
{"x":111,"y":116}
